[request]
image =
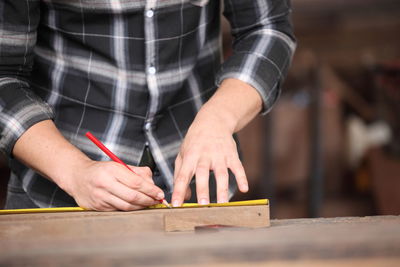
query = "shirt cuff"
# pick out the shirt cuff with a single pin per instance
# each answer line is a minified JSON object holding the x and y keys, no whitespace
{"x":19,"y":110}
{"x":261,"y":74}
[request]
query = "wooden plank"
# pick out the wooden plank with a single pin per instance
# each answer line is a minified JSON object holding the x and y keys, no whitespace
{"x":246,"y":216}
{"x":66,"y":225}
{"x":338,"y":241}
{"x":366,"y":262}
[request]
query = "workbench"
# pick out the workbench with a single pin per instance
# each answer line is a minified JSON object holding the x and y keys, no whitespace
{"x":370,"y":241}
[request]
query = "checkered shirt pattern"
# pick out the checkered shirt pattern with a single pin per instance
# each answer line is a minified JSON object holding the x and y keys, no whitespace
{"x":133,"y":72}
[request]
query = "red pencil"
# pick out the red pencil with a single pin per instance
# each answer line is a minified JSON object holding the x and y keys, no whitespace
{"x":114,"y":157}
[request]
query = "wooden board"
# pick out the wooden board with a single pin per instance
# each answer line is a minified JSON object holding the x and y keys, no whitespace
{"x":300,"y":242}
{"x":244,"y":216}
{"x":87,"y":224}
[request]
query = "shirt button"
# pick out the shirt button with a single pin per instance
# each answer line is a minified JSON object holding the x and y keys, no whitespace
{"x":149,"y":13}
{"x":147,"y":126}
{"x":152,"y":70}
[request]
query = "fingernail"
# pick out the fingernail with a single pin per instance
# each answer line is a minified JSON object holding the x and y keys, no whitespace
{"x":222,"y":201}
{"x":203,"y":201}
{"x":245,"y":187}
{"x":175,"y":203}
{"x":160,"y":196}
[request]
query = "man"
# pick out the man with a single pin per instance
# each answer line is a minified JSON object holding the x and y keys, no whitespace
{"x":145,"y":78}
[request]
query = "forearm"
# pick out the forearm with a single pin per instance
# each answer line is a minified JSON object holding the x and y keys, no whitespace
{"x":44,"y":149}
{"x":93,"y":184}
{"x":235,"y":103}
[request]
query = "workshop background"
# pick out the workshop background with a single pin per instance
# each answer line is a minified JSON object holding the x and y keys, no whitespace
{"x":331,"y":145}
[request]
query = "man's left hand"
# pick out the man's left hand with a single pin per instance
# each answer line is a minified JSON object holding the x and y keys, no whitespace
{"x":209,"y":143}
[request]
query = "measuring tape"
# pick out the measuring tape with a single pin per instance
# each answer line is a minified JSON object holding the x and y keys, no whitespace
{"x":158,"y":206}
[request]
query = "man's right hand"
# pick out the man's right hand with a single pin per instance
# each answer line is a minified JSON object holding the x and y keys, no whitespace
{"x":94,"y":185}
{"x":107,"y":186}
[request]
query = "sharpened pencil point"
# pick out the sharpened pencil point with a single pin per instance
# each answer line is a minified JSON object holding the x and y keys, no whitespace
{"x":166,"y":203}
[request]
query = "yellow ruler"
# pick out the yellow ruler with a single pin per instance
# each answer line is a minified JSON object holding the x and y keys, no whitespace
{"x":158,"y":206}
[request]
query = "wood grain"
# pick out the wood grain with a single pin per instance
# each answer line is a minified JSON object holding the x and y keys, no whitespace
{"x":327,"y":242}
{"x":69,"y":225}
{"x":245,"y":216}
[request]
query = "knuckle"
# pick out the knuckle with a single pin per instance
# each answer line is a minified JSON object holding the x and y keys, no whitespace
{"x":97,"y":194}
{"x":222,"y":173}
{"x":178,"y":193}
{"x":221,"y":167}
{"x":180,"y":179}
{"x":148,"y":171}
{"x":241,"y":174}
{"x":136,"y":183}
{"x":240,"y":170}
{"x":133,"y":197}
{"x":97,"y":205}
{"x":190,"y":156}
{"x":233,"y":159}
{"x":125,"y":207}
{"x":206,"y":150}
{"x":223,"y":191}
{"x":219,"y":146}
{"x":99,"y":183}
{"x":203,"y":166}
{"x":109,"y":167}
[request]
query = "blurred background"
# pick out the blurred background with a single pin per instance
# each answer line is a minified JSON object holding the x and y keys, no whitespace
{"x":331,"y":145}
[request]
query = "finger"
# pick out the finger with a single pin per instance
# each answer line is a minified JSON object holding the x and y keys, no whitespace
{"x":236,"y":167}
{"x":181,"y":182}
{"x":103,"y":207}
{"x":180,"y":187}
{"x":188,"y":193}
{"x":129,"y":195}
{"x":144,"y":172}
{"x":140,"y":184}
{"x":107,"y":207}
{"x":222,"y":179}
{"x":202,"y":178}
{"x":178,"y":164}
{"x":120,"y":204}
{"x":97,"y":202}
{"x":95,"y":205}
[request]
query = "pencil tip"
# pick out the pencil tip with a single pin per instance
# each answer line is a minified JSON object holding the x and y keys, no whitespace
{"x":166,"y":203}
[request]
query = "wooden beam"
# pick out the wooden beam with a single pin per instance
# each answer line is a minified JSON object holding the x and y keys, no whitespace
{"x":86,"y":224}
{"x":297,"y":242}
{"x":244,"y":216}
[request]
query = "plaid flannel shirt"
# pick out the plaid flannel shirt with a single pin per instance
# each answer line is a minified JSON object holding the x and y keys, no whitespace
{"x":133,"y":72}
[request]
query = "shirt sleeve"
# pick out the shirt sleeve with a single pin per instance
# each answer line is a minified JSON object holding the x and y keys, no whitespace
{"x":263,"y":46}
{"x":20,"y":108}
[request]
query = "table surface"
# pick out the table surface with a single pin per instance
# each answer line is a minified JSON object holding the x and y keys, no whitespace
{"x":371,"y":241}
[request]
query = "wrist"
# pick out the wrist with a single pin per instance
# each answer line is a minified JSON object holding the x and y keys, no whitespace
{"x":67,"y":175}
{"x":233,"y":105}
{"x":214,"y":117}
{"x":219,"y":115}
